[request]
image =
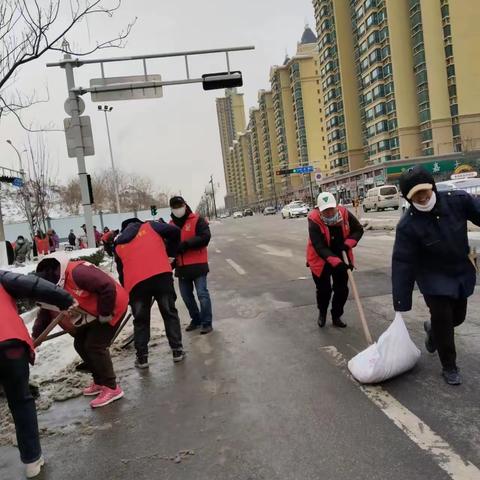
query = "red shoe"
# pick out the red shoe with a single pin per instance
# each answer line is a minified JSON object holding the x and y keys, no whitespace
{"x":92,"y":389}
{"x":107,"y":395}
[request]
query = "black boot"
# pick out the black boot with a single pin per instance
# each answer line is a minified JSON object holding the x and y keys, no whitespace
{"x":337,"y":322}
{"x":429,"y":342}
{"x":322,"y":320}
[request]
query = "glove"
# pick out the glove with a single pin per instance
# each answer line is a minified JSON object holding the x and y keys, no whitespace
{"x":183,"y":247}
{"x":343,"y":267}
{"x":105,"y":318}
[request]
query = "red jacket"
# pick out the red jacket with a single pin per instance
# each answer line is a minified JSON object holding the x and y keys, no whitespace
{"x":314,"y":261}
{"x":89,"y":300}
{"x":143,"y":257}
{"x":43,"y":245}
{"x":11,"y":324}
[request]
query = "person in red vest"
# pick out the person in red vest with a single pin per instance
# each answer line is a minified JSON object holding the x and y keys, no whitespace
{"x":143,"y":254}
{"x":42,"y":242}
{"x":191,"y":266}
{"x":332,"y":230}
{"x":16,"y":352}
{"x":104,"y":302}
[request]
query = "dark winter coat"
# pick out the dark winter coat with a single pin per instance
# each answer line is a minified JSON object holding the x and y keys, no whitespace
{"x":22,"y":251}
{"x":169,"y":234}
{"x":201,"y":239}
{"x":71,"y":239}
{"x":432,"y":249}
{"x":336,"y":237}
{"x":35,"y":288}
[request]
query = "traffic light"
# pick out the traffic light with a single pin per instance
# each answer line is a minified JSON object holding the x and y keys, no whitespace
{"x":214,"y":81}
{"x":153,"y":210}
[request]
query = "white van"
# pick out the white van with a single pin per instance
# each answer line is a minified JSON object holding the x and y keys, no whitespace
{"x":380,"y":198}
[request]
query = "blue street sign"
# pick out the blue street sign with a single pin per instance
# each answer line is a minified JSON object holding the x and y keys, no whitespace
{"x":305,"y":169}
{"x":17,"y":182}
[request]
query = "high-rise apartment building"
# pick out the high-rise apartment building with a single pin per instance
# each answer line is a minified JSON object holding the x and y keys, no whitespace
{"x":231,"y":122}
{"x":398,"y":78}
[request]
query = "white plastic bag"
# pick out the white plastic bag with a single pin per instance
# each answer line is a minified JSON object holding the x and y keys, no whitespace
{"x":393,"y":354}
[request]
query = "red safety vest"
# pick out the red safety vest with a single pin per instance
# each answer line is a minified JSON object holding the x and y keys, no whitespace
{"x":144,"y":257}
{"x":87,"y":301}
{"x":11,"y":323}
{"x":314,"y":261}
{"x":43,"y":245}
{"x":195,"y":255}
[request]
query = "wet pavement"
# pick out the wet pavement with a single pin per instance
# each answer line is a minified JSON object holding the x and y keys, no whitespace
{"x":263,"y":397}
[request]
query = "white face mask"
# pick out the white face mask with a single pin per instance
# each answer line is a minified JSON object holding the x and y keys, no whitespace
{"x":428,"y":207}
{"x":179,"y":212}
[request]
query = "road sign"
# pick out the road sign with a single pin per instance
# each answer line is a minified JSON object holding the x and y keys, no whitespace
{"x":71,"y":104}
{"x":79,"y":137}
{"x":296,"y":170}
{"x":125,"y":93}
{"x":318,"y":178}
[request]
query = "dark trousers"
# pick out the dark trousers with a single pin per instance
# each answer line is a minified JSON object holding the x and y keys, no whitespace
{"x":331,"y":280}
{"x":92,"y":343}
{"x":199,"y":316}
{"x":446,"y":313}
{"x":141,"y":299}
{"x":14,"y":375}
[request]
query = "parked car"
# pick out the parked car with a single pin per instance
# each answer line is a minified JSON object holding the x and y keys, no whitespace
{"x":380,"y":198}
{"x":295,"y":209}
{"x":238,"y":214}
{"x":248,"y":212}
{"x":269,"y":211}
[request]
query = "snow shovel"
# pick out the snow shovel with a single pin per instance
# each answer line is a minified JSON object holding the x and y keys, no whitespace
{"x":43,"y":336}
{"x":366,"y":331}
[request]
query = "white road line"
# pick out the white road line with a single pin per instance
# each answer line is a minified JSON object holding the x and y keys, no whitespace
{"x":218,"y":251}
{"x":419,"y":432}
{"x":236,"y":266}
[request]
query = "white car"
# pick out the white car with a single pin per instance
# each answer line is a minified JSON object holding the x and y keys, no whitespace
{"x":295,"y":209}
{"x":238,"y":214}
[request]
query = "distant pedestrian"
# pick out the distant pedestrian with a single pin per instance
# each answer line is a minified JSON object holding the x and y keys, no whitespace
{"x":42,"y":243}
{"x":108,"y":239}
{"x":10,"y":253}
{"x":16,"y":352}
{"x":53,"y":240}
{"x":332,"y":230}
{"x":72,"y":238}
{"x":191,"y":265}
{"x":143,"y":253}
{"x":22,"y":250}
{"x":98,"y":236}
{"x":431,"y":248}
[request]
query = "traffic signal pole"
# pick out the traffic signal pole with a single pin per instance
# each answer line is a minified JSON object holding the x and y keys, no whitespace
{"x":213,"y":197}
{"x":3,"y":243}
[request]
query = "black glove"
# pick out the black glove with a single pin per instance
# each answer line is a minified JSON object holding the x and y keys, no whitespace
{"x":343,"y":267}
{"x":183,"y":247}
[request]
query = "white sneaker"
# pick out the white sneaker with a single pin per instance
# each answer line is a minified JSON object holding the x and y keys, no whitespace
{"x":34,"y":468}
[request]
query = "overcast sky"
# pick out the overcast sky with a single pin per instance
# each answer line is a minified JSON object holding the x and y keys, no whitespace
{"x":173,"y":140}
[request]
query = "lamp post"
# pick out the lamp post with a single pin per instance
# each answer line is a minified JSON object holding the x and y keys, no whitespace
{"x":107,"y":109}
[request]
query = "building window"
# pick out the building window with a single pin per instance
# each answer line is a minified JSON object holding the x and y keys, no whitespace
{"x":372,"y":38}
{"x":380,"y":109}
{"x":389,"y":88}
{"x":421,"y":77}
{"x":381,"y":126}
{"x":456,"y":130}
{"x":369,"y":114}
{"x":376,"y":74}
{"x":368,"y":98}
{"x":447,"y":31}
{"x":454,"y":110}
{"x":383,"y":145}
{"x":452,"y":90}
{"x":392,"y":124}
{"x":449,"y":51}
{"x":426,"y":135}
{"x":363,"y":47}
{"x":394,"y":143}
{"x":451,"y":71}
{"x":387,"y":70}
{"x":391,"y":106}
{"x":424,"y":116}
{"x":361,"y":29}
{"x":445,"y":11}
{"x":371,"y":20}
{"x":370,"y":131}
{"x":378,"y":91}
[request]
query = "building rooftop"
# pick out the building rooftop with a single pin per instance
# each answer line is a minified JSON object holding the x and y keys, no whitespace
{"x":308,"y":36}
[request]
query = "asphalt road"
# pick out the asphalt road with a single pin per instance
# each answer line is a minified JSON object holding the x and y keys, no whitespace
{"x":267,"y":395}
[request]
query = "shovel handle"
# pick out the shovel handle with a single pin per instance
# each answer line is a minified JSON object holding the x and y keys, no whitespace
{"x":366,"y":331}
{"x":43,"y":336}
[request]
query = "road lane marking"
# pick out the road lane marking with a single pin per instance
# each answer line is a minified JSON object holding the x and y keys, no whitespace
{"x":276,"y":252}
{"x":236,"y":266}
{"x":412,"y":426}
{"x":218,"y":251}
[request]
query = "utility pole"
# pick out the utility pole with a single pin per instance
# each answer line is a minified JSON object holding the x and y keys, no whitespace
{"x":3,"y":244}
{"x":213,"y":196}
{"x":105,"y":110}
{"x":68,"y":65}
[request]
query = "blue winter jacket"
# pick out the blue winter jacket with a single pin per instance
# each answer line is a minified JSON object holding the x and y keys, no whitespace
{"x":432,"y":249}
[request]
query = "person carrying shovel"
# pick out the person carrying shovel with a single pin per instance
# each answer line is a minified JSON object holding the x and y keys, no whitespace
{"x":431,"y":248}
{"x":332,"y":230}
{"x":102,"y":303}
{"x":16,"y":352}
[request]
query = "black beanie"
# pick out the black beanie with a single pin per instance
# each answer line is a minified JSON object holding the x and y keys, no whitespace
{"x":128,"y":221}
{"x":415,"y":179}
{"x":177,"y":200}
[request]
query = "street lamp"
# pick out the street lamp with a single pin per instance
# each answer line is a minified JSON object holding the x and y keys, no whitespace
{"x":18,"y":154}
{"x":106,"y":109}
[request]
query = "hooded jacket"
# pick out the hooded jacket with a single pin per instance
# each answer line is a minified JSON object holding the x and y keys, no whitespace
{"x":431,"y":248}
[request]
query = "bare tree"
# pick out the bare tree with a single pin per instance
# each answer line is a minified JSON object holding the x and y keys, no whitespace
{"x":30,"y":28}
{"x":71,"y":196}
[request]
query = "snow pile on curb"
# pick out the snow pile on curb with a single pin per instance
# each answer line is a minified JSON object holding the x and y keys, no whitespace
{"x":379,"y":223}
